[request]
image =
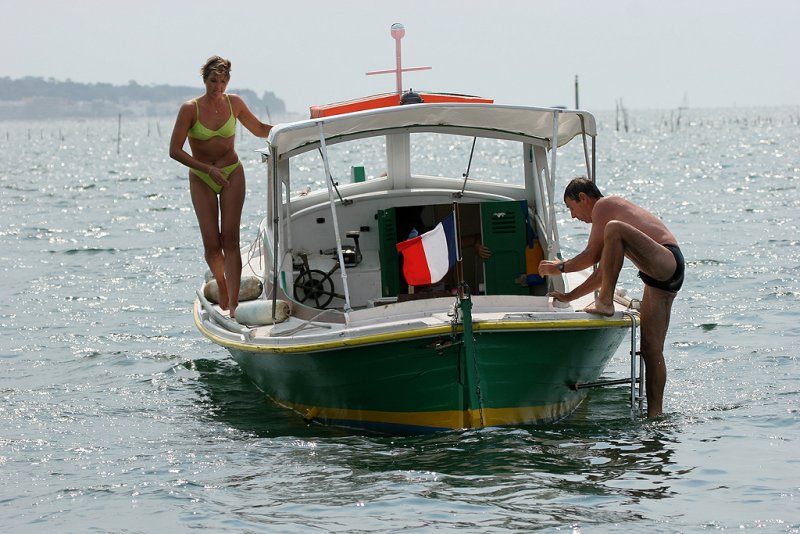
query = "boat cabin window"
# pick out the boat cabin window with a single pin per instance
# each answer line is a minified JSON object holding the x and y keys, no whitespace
{"x":446,"y":155}
{"x":352,"y":161}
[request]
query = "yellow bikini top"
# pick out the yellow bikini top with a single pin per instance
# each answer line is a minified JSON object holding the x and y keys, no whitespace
{"x":200,"y":132}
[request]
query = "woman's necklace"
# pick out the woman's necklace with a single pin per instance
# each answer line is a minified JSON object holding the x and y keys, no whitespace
{"x":217,"y":109}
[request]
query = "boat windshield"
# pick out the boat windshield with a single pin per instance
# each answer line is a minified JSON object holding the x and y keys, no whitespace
{"x":349,"y":162}
{"x":496,"y":161}
{"x":446,"y":155}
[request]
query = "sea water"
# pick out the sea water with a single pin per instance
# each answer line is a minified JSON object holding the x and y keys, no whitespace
{"x":116,"y":415}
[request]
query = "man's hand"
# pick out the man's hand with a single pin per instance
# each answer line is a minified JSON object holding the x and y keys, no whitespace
{"x":483,"y":251}
{"x":549,"y":267}
{"x":558,"y":295}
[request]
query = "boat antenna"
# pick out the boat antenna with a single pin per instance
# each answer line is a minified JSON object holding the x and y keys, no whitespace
{"x":398,"y":31}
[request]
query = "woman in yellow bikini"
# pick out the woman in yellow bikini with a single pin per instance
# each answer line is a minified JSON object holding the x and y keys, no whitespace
{"x":216,"y":176}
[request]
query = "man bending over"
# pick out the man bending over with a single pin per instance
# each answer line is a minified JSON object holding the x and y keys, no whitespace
{"x":622,"y":229}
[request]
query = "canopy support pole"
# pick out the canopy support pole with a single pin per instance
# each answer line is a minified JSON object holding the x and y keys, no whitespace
{"x":339,"y":253}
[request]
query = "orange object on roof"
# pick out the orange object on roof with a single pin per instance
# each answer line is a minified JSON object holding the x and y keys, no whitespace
{"x":386,"y":100}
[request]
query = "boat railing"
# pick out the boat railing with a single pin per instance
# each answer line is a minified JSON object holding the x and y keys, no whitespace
{"x":226,"y":322}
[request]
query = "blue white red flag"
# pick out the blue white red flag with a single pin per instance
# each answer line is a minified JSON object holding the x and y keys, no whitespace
{"x":428,"y":257}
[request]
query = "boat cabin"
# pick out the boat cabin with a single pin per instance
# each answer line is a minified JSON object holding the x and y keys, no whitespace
{"x":344,"y":190}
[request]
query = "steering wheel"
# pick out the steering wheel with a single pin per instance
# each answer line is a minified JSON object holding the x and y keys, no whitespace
{"x":315,"y":285}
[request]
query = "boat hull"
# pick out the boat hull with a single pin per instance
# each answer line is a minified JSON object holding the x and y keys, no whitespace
{"x":427,"y":384}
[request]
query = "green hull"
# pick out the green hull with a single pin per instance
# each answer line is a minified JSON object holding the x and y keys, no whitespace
{"x":425,"y":384}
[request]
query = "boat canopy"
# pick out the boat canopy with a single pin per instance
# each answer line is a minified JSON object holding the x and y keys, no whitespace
{"x":536,"y":124}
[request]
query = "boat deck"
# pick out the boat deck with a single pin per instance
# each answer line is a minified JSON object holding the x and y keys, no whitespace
{"x":396,"y":320}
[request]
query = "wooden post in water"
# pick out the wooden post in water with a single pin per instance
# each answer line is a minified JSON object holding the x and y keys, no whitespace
{"x":576,"y":92}
{"x":624,"y":115}
{"x":119,"y":131}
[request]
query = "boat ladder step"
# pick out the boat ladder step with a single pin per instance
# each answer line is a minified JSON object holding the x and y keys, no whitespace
{"x":636,"y":378}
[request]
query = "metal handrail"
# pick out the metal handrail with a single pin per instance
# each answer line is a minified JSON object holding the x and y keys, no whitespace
{"x":637,"y":397}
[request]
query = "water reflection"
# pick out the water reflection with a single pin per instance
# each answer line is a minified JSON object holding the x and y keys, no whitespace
{"x":586,"y":468}
{"x":226,"y":394}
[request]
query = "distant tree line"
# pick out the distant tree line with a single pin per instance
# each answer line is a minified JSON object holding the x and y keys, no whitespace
{"x":36,"y":97}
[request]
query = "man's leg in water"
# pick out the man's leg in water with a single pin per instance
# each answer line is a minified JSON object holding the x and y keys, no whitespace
{"x":655,"y":314}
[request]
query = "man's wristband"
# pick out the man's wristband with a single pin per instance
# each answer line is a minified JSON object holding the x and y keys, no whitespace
{"x":561,"y":266}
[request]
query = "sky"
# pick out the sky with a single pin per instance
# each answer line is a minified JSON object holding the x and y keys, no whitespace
{"x":648,"y":54}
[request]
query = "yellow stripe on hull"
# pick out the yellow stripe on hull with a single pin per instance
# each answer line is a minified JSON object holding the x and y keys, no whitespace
{"x":436,"y":420}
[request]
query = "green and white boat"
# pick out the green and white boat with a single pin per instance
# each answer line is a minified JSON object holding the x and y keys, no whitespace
{"x":336,"y":333}
{"x":350,"y":344}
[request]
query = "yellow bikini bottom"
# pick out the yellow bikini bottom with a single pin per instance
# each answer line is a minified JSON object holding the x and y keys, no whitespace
{"x":226,"y":171}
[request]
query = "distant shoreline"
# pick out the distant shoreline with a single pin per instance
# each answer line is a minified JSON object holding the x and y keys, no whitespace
{"x":37,"y":98}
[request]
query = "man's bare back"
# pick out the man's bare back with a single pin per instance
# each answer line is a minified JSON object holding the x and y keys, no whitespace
{"x":613,"y":208}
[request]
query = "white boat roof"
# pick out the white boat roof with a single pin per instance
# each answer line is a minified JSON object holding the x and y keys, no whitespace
{"x":531,"y":122}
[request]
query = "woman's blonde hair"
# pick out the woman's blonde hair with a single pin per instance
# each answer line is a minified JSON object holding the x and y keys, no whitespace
{"x":216,"y":64}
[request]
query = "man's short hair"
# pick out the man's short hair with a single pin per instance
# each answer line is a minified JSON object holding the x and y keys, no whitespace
{"x":581,"y":185}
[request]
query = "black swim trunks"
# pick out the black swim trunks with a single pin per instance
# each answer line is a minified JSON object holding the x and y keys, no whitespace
{"x":676,"y":280}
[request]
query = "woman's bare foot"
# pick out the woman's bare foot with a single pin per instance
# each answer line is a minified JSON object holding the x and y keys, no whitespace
{"x":600,"y":308}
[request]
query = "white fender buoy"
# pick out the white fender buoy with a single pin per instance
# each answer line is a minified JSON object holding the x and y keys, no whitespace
{"x":250,"y":287}
{"x":259,"y":312}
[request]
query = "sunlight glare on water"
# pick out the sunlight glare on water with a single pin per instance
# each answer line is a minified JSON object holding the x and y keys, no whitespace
{"x":116,"y":414}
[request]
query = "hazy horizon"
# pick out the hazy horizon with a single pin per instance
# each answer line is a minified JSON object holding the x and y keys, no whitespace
{"x":652,"y":56}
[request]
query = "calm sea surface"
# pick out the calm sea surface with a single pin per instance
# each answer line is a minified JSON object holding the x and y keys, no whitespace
{"x":116,"y":415}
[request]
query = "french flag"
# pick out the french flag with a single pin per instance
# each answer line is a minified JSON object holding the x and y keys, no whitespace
{"x":428,"y":257}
